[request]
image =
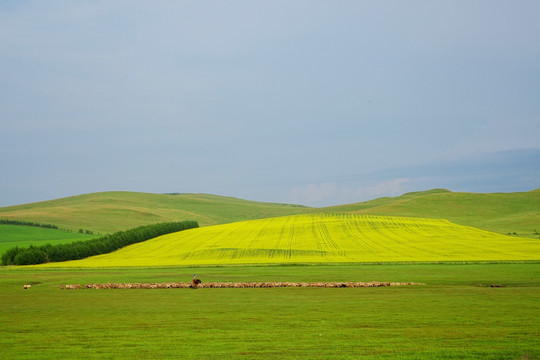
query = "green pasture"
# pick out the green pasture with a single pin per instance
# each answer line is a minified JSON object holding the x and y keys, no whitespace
{"x":107,"y":212}
{"x":506,"y":213}
{"x":24,"y":236}
{"x":456,"y":315}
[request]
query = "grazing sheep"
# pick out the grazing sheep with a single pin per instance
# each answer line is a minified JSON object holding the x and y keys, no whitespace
{"x":196,"y":283}
{"x":71,"y":287}
{"x":27,"y":287}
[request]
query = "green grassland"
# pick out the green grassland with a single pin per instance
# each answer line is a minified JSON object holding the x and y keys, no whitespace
{"x":114,"y":211}
{"x":320,"y":238}
{"x":456,"y":315}
{"x":24,"y":236}
{"x":504,"y":213}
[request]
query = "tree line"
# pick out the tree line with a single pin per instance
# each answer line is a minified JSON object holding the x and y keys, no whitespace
{"x":46,"y":226}
{"x":82,"y":249}
{"x":27,"y":223}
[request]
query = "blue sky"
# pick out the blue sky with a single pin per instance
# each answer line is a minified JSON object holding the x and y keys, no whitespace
{"x":311,"y":102}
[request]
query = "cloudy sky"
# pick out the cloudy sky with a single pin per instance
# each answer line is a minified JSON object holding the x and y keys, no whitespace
{"x":312,"y":102}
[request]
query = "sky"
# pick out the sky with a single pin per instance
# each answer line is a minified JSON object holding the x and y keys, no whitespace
{"x":309,"y":102}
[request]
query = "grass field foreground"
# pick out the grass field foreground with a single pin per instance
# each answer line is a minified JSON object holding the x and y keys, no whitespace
{"x":320,"y":238}
{"x":456,"y":315}
{"x":24,"y":236}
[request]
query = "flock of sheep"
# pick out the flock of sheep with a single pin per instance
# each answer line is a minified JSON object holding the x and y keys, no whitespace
{"x":192,"y":285}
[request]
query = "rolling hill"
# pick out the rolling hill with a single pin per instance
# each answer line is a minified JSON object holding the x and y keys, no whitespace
{"x":107,"y":212}
{"x":506,"y":213}
{"x":320,"y":238}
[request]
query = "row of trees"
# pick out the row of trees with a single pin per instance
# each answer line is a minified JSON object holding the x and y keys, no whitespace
{"x":82,"y":249}
{"x":47,"y":226}
{"x":27,"y":223}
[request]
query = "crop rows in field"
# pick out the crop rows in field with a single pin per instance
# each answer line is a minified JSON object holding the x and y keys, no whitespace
{"x":322,"y":238}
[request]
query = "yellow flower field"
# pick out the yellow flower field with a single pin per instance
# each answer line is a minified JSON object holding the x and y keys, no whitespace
{"x":320,"y":238}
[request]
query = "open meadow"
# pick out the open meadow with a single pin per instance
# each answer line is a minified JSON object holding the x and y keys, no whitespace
{"x":481,"y":298}
{"x":456,"y":315}
{"x":107,"y":212}
{"x":24,"y":236}
{"x":515,"y":213}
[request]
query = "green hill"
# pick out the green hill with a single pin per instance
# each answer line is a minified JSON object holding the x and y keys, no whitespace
{"x":112,"y":211}
{"x":506,"y":213}
{"x":107,"y":212}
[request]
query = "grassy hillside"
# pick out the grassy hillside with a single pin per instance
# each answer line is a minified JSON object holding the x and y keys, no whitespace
{"x":500,"y":212}
{"x":325,"y":238}
{"x":114,"y":211}
{"x":24,"y":236}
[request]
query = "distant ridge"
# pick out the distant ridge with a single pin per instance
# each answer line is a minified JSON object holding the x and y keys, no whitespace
{"x":515,"y":213}
{"x":121,"y":210}
{"x":427,"y":192}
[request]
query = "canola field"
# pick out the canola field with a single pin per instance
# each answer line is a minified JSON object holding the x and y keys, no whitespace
{"x":320,"y":238}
